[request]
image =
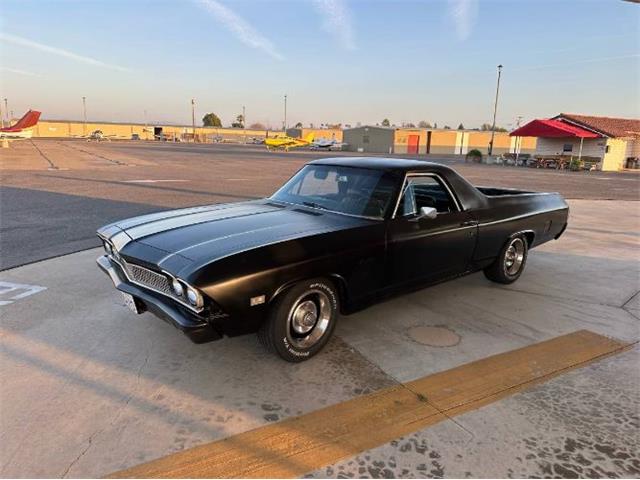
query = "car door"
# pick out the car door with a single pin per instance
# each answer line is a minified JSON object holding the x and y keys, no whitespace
{"x":429,"y":249}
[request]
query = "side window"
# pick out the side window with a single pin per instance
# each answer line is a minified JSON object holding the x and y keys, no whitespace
{"x":425,"y":192}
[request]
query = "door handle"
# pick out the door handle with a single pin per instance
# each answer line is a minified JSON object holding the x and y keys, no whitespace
{"x":469,"y":223}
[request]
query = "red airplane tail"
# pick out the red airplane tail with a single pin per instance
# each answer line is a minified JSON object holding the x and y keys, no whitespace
{"x":29,"y":120}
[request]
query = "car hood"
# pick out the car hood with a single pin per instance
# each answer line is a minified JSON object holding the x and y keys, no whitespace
{"x":176,"y":238}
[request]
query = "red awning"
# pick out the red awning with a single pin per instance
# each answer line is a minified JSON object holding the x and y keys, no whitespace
{"x":552,"y":128}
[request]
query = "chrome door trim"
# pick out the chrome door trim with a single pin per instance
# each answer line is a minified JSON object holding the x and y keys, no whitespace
{"x":420,"y":174}
{"x":524,"y":215}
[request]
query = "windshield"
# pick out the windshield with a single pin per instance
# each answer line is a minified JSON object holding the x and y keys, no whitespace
{"x":349,"y":190}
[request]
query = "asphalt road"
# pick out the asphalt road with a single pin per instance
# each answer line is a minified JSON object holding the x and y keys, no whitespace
{"x":36,"y":225}
{"x":55,"y":193}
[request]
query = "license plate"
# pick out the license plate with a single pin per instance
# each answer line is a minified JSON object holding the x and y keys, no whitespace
{"x":130,"y":302}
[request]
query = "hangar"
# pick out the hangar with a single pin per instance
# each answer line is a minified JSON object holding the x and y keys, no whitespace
{"x":422,"y":141}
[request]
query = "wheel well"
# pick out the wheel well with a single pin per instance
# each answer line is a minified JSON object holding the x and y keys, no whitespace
{"x":530,"y":237}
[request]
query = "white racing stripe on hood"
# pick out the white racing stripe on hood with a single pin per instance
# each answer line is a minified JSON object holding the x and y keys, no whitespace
{"x":172,"y":223}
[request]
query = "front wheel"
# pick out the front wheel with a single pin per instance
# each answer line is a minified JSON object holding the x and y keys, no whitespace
{"x":510,"y":263}
{"x":301,"y":320}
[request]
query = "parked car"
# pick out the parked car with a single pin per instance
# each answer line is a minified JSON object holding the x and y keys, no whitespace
{"x":340,"y":234}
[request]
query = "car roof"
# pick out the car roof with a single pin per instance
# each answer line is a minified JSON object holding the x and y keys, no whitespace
{"x":382,"y":163}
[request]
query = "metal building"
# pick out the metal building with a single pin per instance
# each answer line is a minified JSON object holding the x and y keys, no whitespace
{"x":369,"y":139}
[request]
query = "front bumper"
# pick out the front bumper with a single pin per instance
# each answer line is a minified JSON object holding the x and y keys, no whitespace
{"x":196,"y":328}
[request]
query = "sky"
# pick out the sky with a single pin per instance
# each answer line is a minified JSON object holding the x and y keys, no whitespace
{"x":338,"y":61}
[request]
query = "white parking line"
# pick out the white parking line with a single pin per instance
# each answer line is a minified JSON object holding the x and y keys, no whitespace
{"x":8,"y":287}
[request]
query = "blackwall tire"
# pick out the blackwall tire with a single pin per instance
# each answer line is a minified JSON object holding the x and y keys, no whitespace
{"x":511,"y":261}
{"x":301,"y":320}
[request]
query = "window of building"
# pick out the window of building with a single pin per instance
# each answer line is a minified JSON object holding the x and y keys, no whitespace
{"x":365,"y":139}
{"x":568,"y":147}
{"x":606,"y":149}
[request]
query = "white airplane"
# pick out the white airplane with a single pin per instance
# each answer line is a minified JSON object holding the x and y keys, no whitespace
{"x":326,"y":144}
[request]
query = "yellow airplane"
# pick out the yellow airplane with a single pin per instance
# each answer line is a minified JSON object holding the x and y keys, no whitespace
{"x":285,"y":142}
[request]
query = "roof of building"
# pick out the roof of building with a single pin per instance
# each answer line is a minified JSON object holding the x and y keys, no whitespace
{"x":611,"y":127}
{"x":552,"y":129}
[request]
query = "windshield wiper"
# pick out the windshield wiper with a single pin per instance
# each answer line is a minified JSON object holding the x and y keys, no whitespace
{"x":314,"y":205}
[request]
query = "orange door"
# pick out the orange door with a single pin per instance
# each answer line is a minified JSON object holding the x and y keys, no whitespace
{"x":412,"y":144}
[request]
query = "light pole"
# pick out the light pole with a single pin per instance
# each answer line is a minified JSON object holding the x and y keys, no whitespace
{"x":6,"y":111}
{"x":495,"y":110}
{"x":244,"y":123}
{"x":193,"y":118}
{"x":284,"y":124}
{"x":84,"y":114}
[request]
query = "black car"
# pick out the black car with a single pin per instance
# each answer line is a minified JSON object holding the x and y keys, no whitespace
{"x":339,"y":235}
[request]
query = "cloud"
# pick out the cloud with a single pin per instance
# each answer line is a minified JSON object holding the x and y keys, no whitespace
{"x":24,"y":42}
{"x":17,"y":71}
{"x":337,"y":21}
{"x":464,"y":14}
{"x":240,"y":27}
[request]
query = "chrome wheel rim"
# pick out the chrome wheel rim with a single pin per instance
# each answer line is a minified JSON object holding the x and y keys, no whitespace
{"x":514,"y":256}
{"x":308,"y":318}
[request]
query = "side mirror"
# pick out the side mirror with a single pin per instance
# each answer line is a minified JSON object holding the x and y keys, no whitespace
{"x":428,"y":212}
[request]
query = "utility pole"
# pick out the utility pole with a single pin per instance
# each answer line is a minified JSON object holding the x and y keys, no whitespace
{"x":84,"y":114}
{"x":495,"y":111}
{"x":284,"y":124}
{"x":6,"y":111}
{"x":146,"y":126}
{"x":244,"y":123}
{"x":193,"y":118}
{"x":1,"y":117}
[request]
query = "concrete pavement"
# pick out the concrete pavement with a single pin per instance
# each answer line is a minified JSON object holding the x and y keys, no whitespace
{"x":89,"y":389}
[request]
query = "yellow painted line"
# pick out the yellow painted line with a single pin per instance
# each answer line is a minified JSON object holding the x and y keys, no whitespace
{"x":298,"y":445}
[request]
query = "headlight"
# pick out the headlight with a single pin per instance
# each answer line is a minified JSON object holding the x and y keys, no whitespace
{"x":194,"y":297}
{"x":178,"y":289}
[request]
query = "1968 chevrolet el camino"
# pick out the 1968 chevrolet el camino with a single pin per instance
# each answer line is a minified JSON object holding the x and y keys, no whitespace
{"x":340,"y":234}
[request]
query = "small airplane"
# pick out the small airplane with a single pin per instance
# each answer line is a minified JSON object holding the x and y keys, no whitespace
{"x":23,"y":128}
{"x":285,"y":142}
{"x":96,"y":135}
{"x":326,"y":144}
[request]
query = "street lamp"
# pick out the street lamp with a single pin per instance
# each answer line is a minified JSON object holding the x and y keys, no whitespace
{"x":284,"y":124}
{"x":244,"y":123}
{"x":495,"y":110}
{"x":193,"y":118}
{"x":84,"y":113}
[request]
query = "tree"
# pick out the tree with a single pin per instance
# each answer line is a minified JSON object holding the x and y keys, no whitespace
{"x":461,"y":127}
{"x":435,"y":125}
{"x":486,"y":127}
{"x":211,"y":120}
{"x":424,"y":124}
{"x":410,"y":125}
{"x":386,"y":122}
{"x":257,"y":126}
{"x":447,"y":127}
{"x":298,"y":125}
{"x":239,"y":123}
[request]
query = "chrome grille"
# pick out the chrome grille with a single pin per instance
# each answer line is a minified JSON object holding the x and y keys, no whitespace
{"x":148,"y":278}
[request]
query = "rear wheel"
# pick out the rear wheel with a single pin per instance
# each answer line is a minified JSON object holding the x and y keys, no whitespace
{"x":301,"y":320}
{"x":510,"y":263}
